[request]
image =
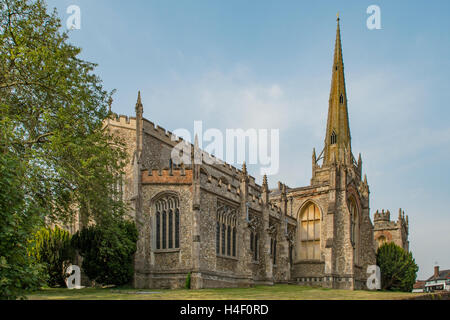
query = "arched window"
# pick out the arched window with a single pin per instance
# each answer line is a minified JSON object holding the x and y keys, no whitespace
{"x":273,"y":250}
{"x":354,"y":228}
{"x":309,"y":248}
{"x":226,"y":230}
{"x":381,"y":240}
{"x":333,"y":138}
{"x":167,"y":223}
{"x":341,"y":99}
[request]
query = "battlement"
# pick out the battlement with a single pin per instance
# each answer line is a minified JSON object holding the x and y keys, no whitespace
{"x":167,"y":176}
{"x":385,"y":216}
{"x":382,"y":216}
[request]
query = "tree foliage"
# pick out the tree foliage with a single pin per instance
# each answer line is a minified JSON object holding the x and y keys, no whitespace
{"x":107,"y":252}
{"x":54,"y":148}
{"x":398,"y":268}
{"x":19,"y":273}
{"x":52,"y":247}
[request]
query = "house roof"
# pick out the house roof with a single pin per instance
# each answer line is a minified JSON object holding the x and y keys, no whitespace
{"x":443,"y":275}
{"x":419,"y":284}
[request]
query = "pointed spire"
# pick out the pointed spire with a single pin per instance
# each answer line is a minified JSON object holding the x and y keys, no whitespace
{"x":110,"y":101}
{"x":265,"y":184}
{"x":139,"y":106}
{"x":365,"y":179}
{"x":338,"y":131}
{"x":314,"y":157}
{"x":244,"y":168}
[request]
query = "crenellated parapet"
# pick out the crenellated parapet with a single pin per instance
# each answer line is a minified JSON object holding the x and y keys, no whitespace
{"x":177,"y":176}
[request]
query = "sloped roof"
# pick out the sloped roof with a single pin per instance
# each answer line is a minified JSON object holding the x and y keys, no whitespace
{"x":443,"y":274}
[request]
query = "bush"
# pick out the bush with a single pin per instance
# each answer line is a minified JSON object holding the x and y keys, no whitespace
{"x":398,"y":268}
{"x":187,"y":285}
{"x":52,"y":248}
{"x":107,"y":252}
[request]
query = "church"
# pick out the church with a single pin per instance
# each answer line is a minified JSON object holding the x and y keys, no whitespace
{"x":215,"y":224}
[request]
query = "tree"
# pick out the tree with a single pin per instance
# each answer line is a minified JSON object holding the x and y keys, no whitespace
{"x":52,"y":247}
{"x":107,"y":252}
{"x":398,"y":268}
{"x":52,"y":108}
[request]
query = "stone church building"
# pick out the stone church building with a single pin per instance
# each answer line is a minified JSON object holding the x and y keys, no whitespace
{"x":214,"y":222}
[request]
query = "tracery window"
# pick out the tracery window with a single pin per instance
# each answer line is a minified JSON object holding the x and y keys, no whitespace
{"x":354,"y":227}
{"x":226,"y":229}
{"x":254,"y":245}
{"x":167,"y":226}
{"x":273,"y":250}
{"x":309,"y":248}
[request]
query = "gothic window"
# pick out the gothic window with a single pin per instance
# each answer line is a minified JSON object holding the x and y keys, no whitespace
{"x":381,"y":241}
{"x":273,"y":250}
{"x":309,"y":248}
{"x":217,"y":237}
{"x":254,"y":241}
{"x":167,"y":224}
{"x":341,"y":99}
{"x":234,"y":241}
{"x":333,"y":139}
{"x":354,"y":227}
{"x":226,"y":230}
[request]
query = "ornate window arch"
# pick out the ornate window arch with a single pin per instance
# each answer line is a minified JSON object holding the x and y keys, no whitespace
{"x":354,"y":227}
{"x":309,"y":227}
{"x":381,"y":240}
{"x":333,"y":138}
{"x":226,"y":233}
{"x":167,"y":222}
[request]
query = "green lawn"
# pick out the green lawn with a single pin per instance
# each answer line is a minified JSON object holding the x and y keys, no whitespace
{"x":277,"y":292}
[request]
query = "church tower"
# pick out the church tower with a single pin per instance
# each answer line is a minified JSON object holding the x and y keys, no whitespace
{"x":336,"y":204}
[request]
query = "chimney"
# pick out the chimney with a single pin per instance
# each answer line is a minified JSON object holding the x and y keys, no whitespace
{"x":436,"y":272}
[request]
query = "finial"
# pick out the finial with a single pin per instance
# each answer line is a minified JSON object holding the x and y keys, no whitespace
{"x":265,"y":184}
{"x":337,"y":15}
{"x":139,"y":107}
{"x":244,"y":168}
{"x":110,"y":101}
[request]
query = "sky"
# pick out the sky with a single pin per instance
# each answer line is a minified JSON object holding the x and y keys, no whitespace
{"x":267,"y":65}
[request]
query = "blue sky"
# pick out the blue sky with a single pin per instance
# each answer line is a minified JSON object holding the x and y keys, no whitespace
{"x":267,"y":64}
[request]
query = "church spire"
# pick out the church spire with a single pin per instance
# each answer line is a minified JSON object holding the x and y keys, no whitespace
{"x":337,"y":138}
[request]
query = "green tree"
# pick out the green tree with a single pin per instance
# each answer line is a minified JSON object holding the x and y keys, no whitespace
{"x":107,"y":252}
{"x":52,"y":108}
{"x":398,"y":268}
{"x":52,"y":247}
{"x":19,"y":273}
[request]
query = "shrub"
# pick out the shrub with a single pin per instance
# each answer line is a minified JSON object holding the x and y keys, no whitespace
{"x":52,"y":248}
{"x":107,"y":252}
{"x":187,"y":285}
{"x":398,"y":268}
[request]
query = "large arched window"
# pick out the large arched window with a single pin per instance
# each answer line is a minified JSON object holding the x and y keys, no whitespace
{"x":381,"y":240}
{"x":167,"y":226}
{"x":226,"y":222}
{"x":309,"y":248}
{"x":354,"y":227}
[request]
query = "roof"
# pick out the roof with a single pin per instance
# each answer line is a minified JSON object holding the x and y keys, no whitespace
{"x":443,"y":275}
{"x":419,"y":284}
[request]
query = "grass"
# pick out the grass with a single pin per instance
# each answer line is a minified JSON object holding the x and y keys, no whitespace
{"x":277,"y":292}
